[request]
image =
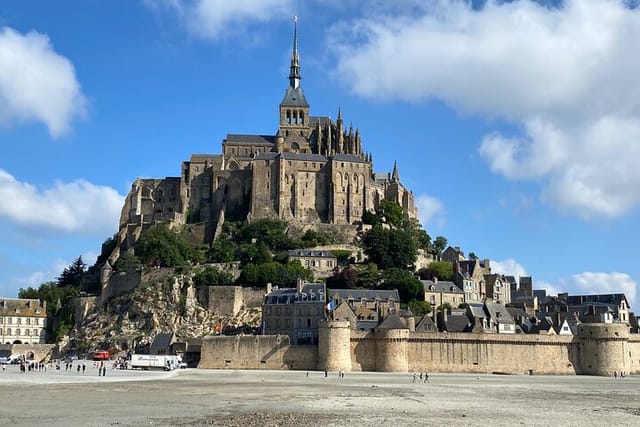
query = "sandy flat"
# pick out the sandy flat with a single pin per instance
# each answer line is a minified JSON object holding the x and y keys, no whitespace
{"x":291,"y":398}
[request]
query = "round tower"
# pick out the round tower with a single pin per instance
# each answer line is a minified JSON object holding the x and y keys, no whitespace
{"x":391,"y":350}
{"x":602,"y":348}
{"x":334,"y":345}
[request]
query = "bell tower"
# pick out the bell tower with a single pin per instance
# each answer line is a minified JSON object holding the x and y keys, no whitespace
{"x":294,"y":109}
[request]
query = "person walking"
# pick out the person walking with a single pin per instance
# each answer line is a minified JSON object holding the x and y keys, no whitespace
{"x":84,"y":367}
{"x":415,"y":375}
{"x":426,"y":377}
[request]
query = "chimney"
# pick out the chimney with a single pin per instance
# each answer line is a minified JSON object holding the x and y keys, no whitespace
{"x":299,"y":284}
{"x":269,"y":288}
{"x":435,"y":279}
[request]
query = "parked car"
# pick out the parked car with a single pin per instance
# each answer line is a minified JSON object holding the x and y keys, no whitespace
{"x":4,"y":360}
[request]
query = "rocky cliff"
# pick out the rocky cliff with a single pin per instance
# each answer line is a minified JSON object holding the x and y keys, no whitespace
{"x":164,"y":302}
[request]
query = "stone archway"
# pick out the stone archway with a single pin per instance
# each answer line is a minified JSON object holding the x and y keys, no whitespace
{"x":30,"y":355}
{"x":17,"y":342}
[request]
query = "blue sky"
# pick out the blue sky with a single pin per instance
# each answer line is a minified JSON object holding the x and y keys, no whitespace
{"x":515,"y":124}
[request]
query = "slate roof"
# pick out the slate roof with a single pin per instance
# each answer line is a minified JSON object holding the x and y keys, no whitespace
{"x":498,"y":312}
{"x":324,"y":120}
{"x":347,"y":158}
{"x":457,"y":323}
{"x":367,"y":294}
{"x":22,"y":307}
{"x":441,"y":286}
{"x":477,"y":311}
{"x":162,"y":341}
{"x":392,"y":321}
{"x":615,"y":299}
{"x":294,"y":97}
{"x":426,"y":324}
{"x":311,"y":292}
{"x":250,"y":139}
{"x":311,"y":253}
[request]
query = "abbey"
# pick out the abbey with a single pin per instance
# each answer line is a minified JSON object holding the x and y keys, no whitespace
{"x":313,"y":170}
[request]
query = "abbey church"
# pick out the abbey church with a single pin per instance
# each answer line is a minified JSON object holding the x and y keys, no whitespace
{"x":313,"y":170}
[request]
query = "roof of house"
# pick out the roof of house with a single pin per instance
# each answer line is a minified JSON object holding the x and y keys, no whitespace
{"x":22,"y":307}
{"x":311,"y":253}
{"x":311,"y":292}
{"x":392,"y":321}
{"x":457,"y":323}
{"x":498,"y":312}
{"x":441,"y":286}
{"x":366,"y":294}
{"x":426,"y":324}
{"x":598,"y":298}
{"x":477,"y":311}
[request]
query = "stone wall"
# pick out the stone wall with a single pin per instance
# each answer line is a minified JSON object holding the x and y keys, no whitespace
{"x":229,"y":300}
{"x":121,"y":283}
{"x":490,"y":353}
{"x":34,"y":352}
{"x":248,"y":352}
{"x":599,"y":349}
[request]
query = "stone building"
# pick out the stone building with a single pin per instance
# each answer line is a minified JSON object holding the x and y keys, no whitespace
{"x":22,"y":321}
{"x":294,"y":312}
{"x":438,"y":292}
{"x":322,"y":263}
{"x":312,"y":170}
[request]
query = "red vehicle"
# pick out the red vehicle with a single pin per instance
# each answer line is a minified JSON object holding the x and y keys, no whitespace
{"x":101,"y":355}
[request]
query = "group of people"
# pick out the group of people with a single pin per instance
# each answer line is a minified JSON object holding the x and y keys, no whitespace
{"x":423,"y":378}
{"x":621,"y":375}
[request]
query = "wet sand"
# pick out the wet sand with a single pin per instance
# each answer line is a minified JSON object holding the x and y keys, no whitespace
{"x":290,"y":398}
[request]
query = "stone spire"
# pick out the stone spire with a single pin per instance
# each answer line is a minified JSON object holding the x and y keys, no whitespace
{"x":294,"y":71}
{"x":395,"y":175}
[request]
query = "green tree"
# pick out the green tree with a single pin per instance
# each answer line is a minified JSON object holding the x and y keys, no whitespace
{"x":370,"y":218}
{"x":342,"y":256}
{"x":440,"y":244}
{"x":161,"y":247}
{"x":73,"y":275}
{"x":211,"y":276}
{"x":473,"y":256}
{"x":254,"y":253}
{"x":347,"y":278}
{"x":127,"y":261}
{"x":419,"y":308}
{"x":222,"y":250}
{"x":409,"y":287}
{"x":390,"y":247}
{"x":271,"y":232}
{"x":438,"y":269}
{"x":369,"y":275}
{"x":391,"y":213}
{"x":313,"y":238}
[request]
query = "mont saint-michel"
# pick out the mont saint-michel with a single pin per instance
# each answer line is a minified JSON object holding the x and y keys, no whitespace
{"x":289,"y":252}
{"x":313,"y":170}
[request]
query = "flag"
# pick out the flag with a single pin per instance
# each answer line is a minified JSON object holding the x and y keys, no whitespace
{"x":330,"y":306}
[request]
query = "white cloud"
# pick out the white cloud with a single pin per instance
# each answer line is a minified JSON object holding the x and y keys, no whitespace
{"x":77,"y":207}
{"x":36,"y":83}
{"x":569,"y":76}
{"x":217,"y":19}
{"x":509,"y":267}
{"x":431,"y":211}
{"x":600,"y":283}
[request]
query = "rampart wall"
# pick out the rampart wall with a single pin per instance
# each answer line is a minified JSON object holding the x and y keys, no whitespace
{"x":597,"y":351}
